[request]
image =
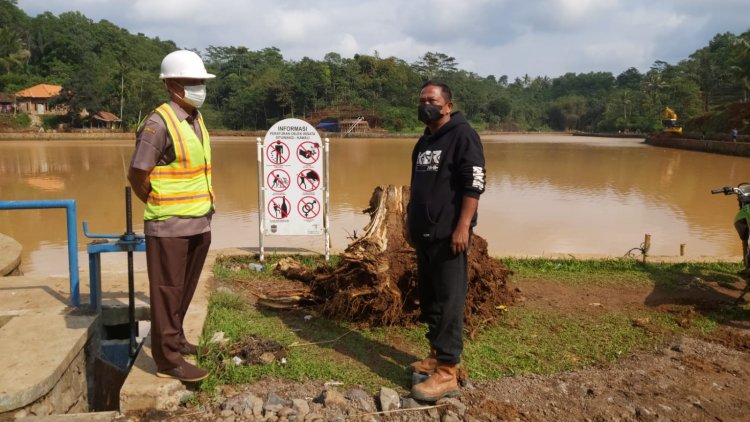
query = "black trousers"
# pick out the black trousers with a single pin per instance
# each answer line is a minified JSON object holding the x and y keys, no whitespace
{"x":174,"y":267}
{"x":442,"y":281}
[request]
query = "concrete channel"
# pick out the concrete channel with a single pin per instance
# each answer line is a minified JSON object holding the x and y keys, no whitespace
{"x":69,"y":363}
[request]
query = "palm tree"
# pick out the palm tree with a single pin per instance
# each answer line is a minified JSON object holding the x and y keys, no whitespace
{"x":742,"y":55}
{"x":653,"y":85}
{"x":12,"y":54}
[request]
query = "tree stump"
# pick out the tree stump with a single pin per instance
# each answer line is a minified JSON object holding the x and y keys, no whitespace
{"x":375,"y":283}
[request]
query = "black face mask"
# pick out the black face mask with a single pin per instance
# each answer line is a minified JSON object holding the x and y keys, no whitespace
{"x":428,"y":113}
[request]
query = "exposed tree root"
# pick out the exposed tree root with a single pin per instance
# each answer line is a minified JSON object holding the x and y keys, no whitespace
{"x":375,"y":283}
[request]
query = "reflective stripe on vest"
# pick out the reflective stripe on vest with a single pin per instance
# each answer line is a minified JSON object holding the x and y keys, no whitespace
{"x":183,"y":187}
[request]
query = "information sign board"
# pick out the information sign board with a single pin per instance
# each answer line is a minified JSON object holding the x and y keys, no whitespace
{"x":292,"y":169}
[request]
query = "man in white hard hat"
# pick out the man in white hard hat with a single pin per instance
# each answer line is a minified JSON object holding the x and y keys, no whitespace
{"x":171,"y":173}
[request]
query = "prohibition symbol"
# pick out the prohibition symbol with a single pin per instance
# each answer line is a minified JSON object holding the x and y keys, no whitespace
{"x":308,"y":152}
{"x":308,"y":180}
{"x":278,"y":180}
{"x":279,"y":207}
{"x":308,"y":207}
{"x":278,"y":152}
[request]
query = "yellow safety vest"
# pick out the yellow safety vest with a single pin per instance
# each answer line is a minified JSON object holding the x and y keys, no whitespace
{"x":183,"y":187}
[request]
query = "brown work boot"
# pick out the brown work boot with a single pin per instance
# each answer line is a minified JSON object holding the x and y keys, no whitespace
{"x":426,"y":365}
{"x":185,"y":373}
{"x":442,"y":383}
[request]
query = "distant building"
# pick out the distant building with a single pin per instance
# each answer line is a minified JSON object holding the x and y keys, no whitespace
{"x":358,"y":125}
{"x":106,"y":120}
{"x":36,"y":100}
{"x":7,"y":102}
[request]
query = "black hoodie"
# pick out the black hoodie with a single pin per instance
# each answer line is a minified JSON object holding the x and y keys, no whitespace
{"x":446,"y":166}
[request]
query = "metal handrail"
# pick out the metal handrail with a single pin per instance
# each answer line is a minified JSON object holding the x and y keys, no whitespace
{"x":70,"y":214}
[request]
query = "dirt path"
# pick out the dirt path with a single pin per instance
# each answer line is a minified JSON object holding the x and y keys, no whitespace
{"x":688,"y":379}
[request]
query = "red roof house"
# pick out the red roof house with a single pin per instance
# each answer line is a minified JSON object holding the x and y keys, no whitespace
{"x":36,"y":99}
{"x":105,"y":119}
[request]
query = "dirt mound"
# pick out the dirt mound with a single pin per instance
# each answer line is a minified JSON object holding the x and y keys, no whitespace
{"x":731,"y":338}
{"x":375,"y":283}
{"x":733,"y":116}
{"x":253,"y":349}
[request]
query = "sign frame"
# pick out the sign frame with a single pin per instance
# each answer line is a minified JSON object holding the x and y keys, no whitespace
{"x":305,"y":155}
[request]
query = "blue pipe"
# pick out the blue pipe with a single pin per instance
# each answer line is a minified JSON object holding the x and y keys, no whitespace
{"x":70,"y":214}
{"x":97,"y":236}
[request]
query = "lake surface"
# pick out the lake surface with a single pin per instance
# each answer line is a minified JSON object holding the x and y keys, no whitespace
{"x":545,"y":194}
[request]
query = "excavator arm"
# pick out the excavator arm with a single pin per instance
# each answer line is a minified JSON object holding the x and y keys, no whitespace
{"x":669,"y":114}
{"x":669,"y":122}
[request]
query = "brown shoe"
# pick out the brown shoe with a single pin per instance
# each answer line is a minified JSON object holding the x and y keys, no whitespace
{"x":189,"y":349}
{"x":185,"y":373}
{"x":426,"y":365}
{"x":442,"y":383}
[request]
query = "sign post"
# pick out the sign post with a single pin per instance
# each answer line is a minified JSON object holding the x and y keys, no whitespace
{"x":261,"y":214}
{"x":292,"y":181}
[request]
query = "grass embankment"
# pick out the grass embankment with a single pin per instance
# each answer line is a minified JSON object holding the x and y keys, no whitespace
{"x":525,"y":339}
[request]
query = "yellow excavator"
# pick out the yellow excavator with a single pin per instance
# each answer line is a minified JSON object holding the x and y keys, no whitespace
{"x":669,"y":121}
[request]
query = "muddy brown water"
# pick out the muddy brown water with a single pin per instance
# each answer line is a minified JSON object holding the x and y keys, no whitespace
{"x":545,"y":194}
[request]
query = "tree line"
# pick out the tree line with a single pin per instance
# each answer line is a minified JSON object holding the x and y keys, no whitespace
{"x":103,"y":67}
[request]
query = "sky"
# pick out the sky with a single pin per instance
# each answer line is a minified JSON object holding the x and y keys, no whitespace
{"x":487,"y":37}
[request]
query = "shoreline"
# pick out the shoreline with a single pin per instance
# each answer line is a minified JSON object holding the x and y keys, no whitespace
{"x":739,"y":149}
{"x":611,"y":135}
{"x":660,"y":259}
{"x":104,"y":135}
{"x":64,"y":136}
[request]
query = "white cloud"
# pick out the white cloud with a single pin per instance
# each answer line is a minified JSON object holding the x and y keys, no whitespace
{"x":170,"y":11}
{"x":622,"y":52}
{"x":536,"y":37}
{"x":570,"y":14}
{"x":348,"y":46}
{"x":295,"y":26}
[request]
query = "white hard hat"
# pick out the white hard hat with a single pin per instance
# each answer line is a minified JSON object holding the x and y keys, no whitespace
{"x":183,"y":64}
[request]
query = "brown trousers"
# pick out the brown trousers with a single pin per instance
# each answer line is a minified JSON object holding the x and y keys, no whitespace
{"x":174,"y":267}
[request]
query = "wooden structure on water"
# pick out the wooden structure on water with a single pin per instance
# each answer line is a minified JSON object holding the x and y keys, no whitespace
{"x":358,"y":125}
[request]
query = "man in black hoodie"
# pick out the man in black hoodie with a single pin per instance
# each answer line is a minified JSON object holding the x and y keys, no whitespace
{"x":448,"y":175}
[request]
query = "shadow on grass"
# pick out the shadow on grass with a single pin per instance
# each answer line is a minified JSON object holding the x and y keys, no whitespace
{"x":384,"y":360}
{"x":715,"y":291}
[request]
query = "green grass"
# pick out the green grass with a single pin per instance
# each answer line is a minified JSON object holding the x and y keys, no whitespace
{"x":618,"y":271}
{"x":357,"y":357}
{"x":524,"y":340}
{"x":547,"y":342}
{"x":20,"y":120}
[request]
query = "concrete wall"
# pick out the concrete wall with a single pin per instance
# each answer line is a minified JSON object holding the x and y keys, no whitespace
{"x":10,"y":256}
{"x":69,"y":395}
{"x":741,"y":149}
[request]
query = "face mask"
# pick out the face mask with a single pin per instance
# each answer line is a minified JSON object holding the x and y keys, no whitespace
{"x":195,"y":95}
{"x":429,"y":113}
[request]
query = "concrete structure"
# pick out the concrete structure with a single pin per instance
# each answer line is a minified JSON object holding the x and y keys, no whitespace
{"x":741,"y":149}
{"x":143,"y":389}
{"x":10,"y":256}
{"x":49,"y":348}
{"x":45,"y":348}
